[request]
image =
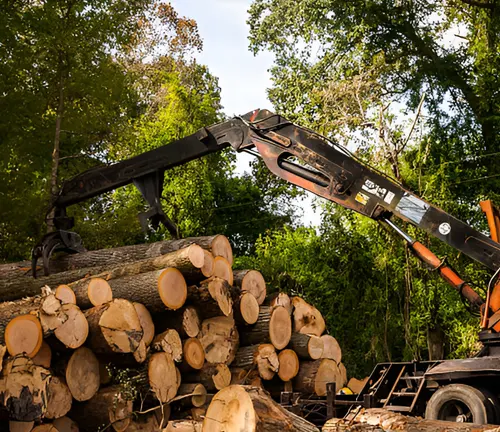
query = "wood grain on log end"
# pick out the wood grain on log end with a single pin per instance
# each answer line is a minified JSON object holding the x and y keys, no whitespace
{"x":253,"y":282}
{"x":99,"y":292}
{"x":280,"y":328}
{"x":172,"y":288}
{"x":65,"y":424}
{"x":15,"y":426}
{"x":221,"y":247}
{"x":65,"y":294}
{"x":223,"y":269}
{"x":74,"y":331}
{"x":331,"y":349}
{"x":24,"y":334}
{"x":82,"y":374}
{"x":60,"y":399}
{"x":208,"y":264}
{"x":146,"y":321}
{"x":248,"y":308}
{"x":194,"y":354}
{"x":170,"y":342}
{"x":44,"y":356}
{"x":162,"y":376}
{"x":288,"y":365}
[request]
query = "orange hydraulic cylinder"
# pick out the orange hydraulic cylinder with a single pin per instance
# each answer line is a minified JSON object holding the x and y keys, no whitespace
{"x":447,"y":274}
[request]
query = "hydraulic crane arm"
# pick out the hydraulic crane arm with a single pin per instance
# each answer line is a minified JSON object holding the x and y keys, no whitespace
{"x":297,"y":155}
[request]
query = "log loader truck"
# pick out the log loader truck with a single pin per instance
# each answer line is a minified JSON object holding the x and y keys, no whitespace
{"x":464,"y":390}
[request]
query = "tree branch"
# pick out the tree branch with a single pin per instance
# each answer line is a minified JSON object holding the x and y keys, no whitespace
{"x":478,"y":4}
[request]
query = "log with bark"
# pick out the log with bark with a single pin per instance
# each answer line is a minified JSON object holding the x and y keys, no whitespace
{"x":183,"y":426}
{"x":251,"y":409}
{"x":147,"y":323}
{"x":251,"y":281}
{"x":263,"y":357}
{"x":218,"y":245}
{"x":223,"y":269}
{"x":114,"y":327}
{"x":306,"y":318}
{"x":273,"y":326}
{"x":213,"y":376}
{"x":108,"y":407}
{"x":162,"y":376}
{"x":281,"y":299}
{"x":60,"y":399}
{"x":192,"y":395}
{"x":212,"y":296}
{"x":220,"y":339}
{"x":313,"y":376}
{"x":194,"y":354}
{"x":307,"y":347}
{"x":24,"y":389}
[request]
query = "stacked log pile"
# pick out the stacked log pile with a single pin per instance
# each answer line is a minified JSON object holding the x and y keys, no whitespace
{"x":159,"y":336}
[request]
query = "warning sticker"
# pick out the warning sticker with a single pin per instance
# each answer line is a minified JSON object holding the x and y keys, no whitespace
{"x":374,"y":189}
{"x":412,"y":208}
{"x":389,"y":197}
{"x":362,"y":198}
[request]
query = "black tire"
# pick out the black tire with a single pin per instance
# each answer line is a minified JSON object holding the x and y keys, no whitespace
{"x":460,"y":403}
{"x":495,"y":403}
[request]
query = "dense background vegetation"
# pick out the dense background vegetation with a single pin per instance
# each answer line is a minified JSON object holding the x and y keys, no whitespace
{"x":411,"y":86}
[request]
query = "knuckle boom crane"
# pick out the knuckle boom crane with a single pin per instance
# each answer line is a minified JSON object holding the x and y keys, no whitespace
{"x":306,"y":159}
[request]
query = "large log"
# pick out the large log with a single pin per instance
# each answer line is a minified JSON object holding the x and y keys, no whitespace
{"x":306,"y":318}
{"x":147,"y":323}
{"x":218,"y":245}
{"x":24,"y":389}
{"x":280,"y":299}
{"x":60,"y":399}
{"x":220,"y":339}
{"x":313,"y":376}
{"x":307,"y":347}
{"x":263,"y":357}
{"x":170,"y":342}
{"x":162,"y":376}
{"x":213,"y":376}
{"x":273,"y":326}
{"x":380,"y":420}
{"x":23,"y":334}
{"x":251,"y":281}
{"x":246,"y":309}
{"x":157,"y":290}
{"x":251,"y":409}
{"x":114,"y":327}
{"x":194,"y":394}
{"x":83,"y":374}
{"x":188,"y":261}
{"x":212,"y":296}
{"x":109,"y":406}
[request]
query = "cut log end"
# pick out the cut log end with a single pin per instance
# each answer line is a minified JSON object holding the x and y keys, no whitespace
{"x":197,"y":394}
{"x":82,"y":374}
{"x":191,"y":321}
{"x":60,"y":399}
{"x":253,"y":282}
{"x":248,"y":308}
{"x":65,"y":294}
{"x":65,"y":424}
{"x":221,"y":247}
{"x":223,"y":269}
{"x":194,"y":355}
{"x":280,"y":328}
{"x":306,"y":318}
{"x":162,"y":376}
{"x":15,"y":426}
{"x":207,"y":269}
{"x":24,"y":334}
{"x":222,"y":376}
{"x":288,"y":365}
{"x":74,"y":331}
{"x":196,"y":255}
{"x":99,"y":292}
{"x":147,"y":324}
{"x":170,"y":342}
{"x":331,"y":349}
{"x":44,"y":356}
{"x":172,"y":288}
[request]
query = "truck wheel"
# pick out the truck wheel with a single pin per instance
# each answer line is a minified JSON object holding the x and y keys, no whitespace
{"x":495,"y":403}
{"x":460,"y":403}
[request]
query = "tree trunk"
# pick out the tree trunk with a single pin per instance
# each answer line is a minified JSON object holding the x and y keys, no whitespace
{"x":158,"y":290}
{"x":83,"y":374}
{"x":114,"y":327}
{"x":109,"y":406}
{"x":263,"y":357}
{"x":220,"y":339}
{"x":218,"y":245}
{"x":251,"y":409}
{"x":307,"y":347}
{"x":214,"y":377}
{"x":273,"y":325}
{"x":306,"y":318}
{"x":251,"y":281}
{"x":313,"y":376}
{"x":288,"y":365}
{"x":331,"y":349}
{"x":212,"y":296}
{"x":23,"y":389}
